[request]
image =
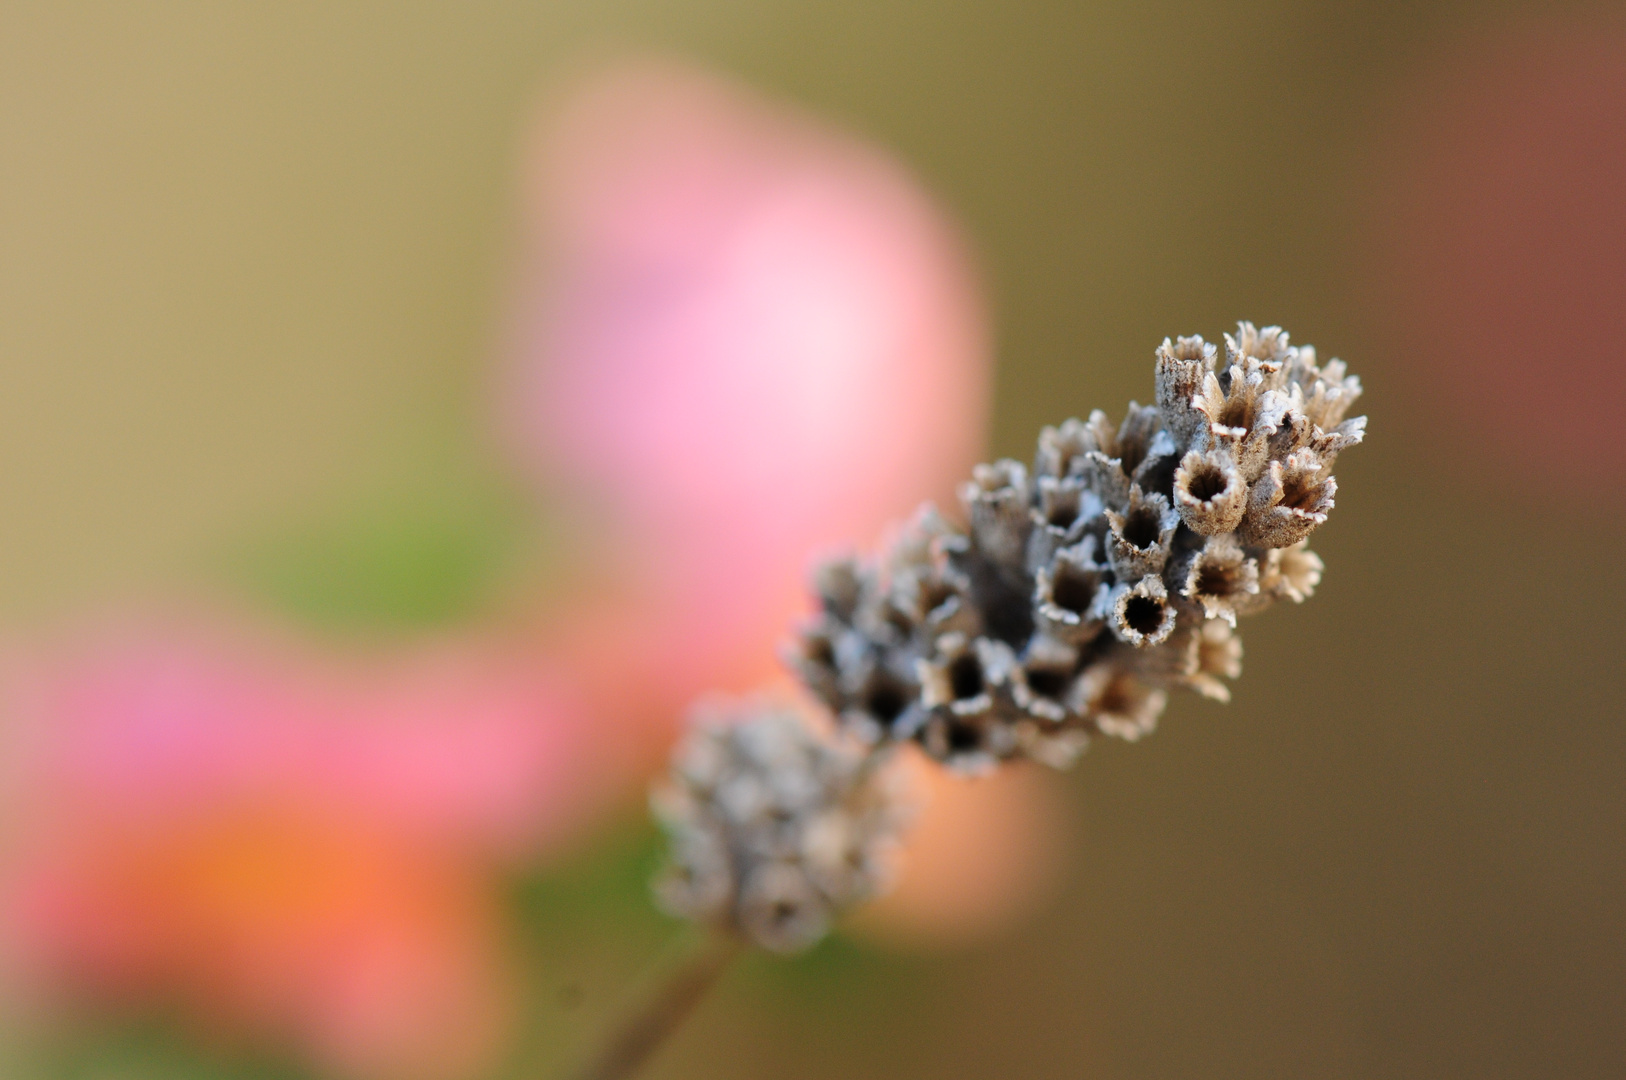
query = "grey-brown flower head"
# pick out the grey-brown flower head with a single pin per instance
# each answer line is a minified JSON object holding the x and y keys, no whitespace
{"x":1080,"y":592}
{"x":775,"y":828}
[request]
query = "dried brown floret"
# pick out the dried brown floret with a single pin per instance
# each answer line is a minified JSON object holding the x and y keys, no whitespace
{"x":1062,"y":448}
{"x":934,"y":601}
{"x":1069,"y":594}
{"x":966,"y":676}
{"x":1043,"y":681}
{"x":841,"y":584}
{"x":1293,"y":572}
{"x":1325,"y":393}
{"x":1181,"y":367}
{"x":1243,"y":415}
{"x":1216,"y":655}
{"x":1221,"y":576}
{"x":1267,"y":347}
{"x":1288,"y":502}
{"x":1064,"y":509}
{"x":1141,"y":423}
{"x":1209,"y":492}
{"x":1058,"y":748}
{"x":997,"y":501}
{"x":881,"y":697}
{"x":1138,"y":543}
{"x":815,"y":655}
{"x":1118,"y":703}
{"x":1140,"y":614}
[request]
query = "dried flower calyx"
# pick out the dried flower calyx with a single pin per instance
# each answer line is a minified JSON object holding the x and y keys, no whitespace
{"x":1079,"y":592}
{"x":775,"y":826}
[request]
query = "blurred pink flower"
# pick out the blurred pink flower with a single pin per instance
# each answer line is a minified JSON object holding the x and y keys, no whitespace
{"x":290,"y":848}
{"x":743,"y":338}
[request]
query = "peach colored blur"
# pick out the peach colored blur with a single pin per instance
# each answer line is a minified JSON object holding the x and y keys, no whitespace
{"x":292,"y":849}
{"x":1498,"y":259}
{"x":743,"y":338}
{"x":984,"y":853}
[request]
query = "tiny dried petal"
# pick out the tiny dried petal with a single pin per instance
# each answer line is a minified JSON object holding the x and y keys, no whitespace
{"x":1209,"y":492}
{"x":1221,"y":575}
{"x":1140,"y":614}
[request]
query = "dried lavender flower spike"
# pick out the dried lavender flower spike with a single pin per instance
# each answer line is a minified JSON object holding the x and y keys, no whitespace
{"x":1079,"y":594}
{"x":775,"y":827}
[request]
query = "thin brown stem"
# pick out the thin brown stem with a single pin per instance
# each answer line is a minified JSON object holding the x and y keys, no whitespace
{"x":644,"y":1030}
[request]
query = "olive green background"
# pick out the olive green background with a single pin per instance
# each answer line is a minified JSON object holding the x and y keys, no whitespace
{"x":252,"y":270}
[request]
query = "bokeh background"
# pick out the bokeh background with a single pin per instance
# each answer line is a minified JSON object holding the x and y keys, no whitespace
{"x":266,"y":275}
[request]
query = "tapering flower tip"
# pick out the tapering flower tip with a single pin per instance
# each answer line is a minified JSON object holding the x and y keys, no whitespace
{"x":1288,"y":502}
{"x":1216,"y":655}
{"x":1117,"y":703}
{"x":1044,"y":679}
{"x":1267,"y":348}
{"x":1140,"y":614}
{"x":997,"y":500}
{"x":1293,"y":572}
{"x":775,"y":827}
{"x":1062,"y":448}
{"x":1069,"y":593}
{"x":1221,"y":577}
{"x":1138,"y":543}
{"x":840,"y":584}
{"x":1209,"y":492}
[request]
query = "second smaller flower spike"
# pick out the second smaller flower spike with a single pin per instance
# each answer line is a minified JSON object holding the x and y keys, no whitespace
{"x":1078,"y":594}
{"x":776,"y":828}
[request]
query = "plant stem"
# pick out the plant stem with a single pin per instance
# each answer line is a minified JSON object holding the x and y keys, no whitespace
{"x":644,"y":1030}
